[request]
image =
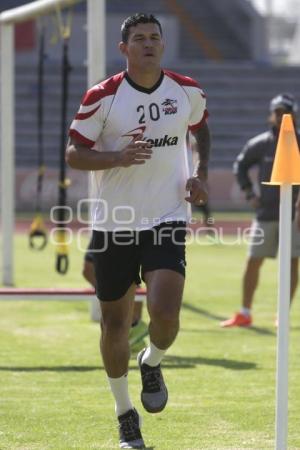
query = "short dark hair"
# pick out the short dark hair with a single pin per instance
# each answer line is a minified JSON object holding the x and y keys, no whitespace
{"x":134,"y":20}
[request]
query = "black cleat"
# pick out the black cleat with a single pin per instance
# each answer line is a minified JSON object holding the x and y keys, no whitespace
{"x":154,"y":395}
{"x":129,"y":430}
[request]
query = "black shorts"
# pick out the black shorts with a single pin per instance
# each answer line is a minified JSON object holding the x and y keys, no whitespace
{"x":122,"y":258}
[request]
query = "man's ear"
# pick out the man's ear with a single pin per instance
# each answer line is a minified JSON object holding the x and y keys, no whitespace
{"x":123,"y":48}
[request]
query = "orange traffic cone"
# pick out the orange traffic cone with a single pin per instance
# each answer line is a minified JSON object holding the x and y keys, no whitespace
{"x":286,"y":166}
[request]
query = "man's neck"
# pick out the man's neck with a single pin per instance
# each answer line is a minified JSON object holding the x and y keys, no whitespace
{"x":145,"y":79}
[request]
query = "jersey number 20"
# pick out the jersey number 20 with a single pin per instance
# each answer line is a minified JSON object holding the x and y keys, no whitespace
{"x":153,"y":112}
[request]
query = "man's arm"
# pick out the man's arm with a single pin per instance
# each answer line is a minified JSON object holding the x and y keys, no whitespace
{"x":249,"y":157}
{"x":197,"y":185}
{"x":82,"y":157}
{"x":202,"y":147}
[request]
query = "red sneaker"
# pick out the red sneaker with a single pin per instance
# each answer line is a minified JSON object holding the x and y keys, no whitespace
{"x":237,"y":320}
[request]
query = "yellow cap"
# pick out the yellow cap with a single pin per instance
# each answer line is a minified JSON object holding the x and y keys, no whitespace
{"x":286,"y":166}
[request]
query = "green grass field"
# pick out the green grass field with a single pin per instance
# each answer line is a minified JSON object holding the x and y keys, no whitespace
{"x":53,"y":390}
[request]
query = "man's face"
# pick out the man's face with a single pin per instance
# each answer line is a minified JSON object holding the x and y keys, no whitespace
{"x":275,"y":117}
{"x":144,"y":47}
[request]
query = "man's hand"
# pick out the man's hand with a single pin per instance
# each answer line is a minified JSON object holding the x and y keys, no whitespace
{"x":252,"y":198}
{"x":198,"y":191}
{"x":82,"y":157}
{"x":254,"y":202}
{"x":137,"y":152}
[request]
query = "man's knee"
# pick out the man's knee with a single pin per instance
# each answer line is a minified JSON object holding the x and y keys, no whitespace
{"x":115,"y":320}
{"x":166,"y":314}
{"x":114,"y":327}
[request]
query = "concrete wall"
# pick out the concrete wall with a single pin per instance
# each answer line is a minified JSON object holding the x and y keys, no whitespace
{"x":224,"y":192}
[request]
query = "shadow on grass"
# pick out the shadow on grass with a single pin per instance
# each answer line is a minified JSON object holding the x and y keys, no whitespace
{"x":257,"y":330}
{"x":170,"y":362}
{"x":209,"y":315}
{"x":296,"y":328}
{"x":260,"y":330}
{"x":51,"y":369}
{"x":202,"y":311}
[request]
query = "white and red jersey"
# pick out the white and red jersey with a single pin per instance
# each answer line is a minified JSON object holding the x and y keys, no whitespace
{"x":111,"y":115}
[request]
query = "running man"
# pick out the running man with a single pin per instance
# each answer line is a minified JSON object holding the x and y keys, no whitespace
{"x":131,"y":131}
